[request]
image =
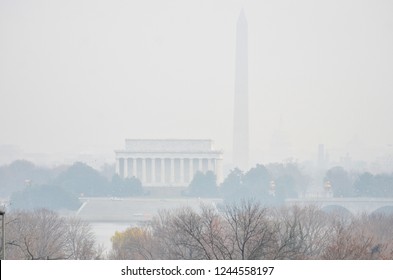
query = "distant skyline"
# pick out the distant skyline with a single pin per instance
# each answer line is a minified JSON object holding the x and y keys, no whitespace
{"x":79,"y":77}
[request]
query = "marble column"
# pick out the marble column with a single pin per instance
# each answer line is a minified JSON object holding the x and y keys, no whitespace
{"x":186,"y":170}
{"x":162,"y":171}
{"x":172,"y":177}
{"x":158,"y":169}
{"x":134,"y":167}
{"x":144,"y":171}
{"x":153,"y":171}
{"x":182,"y":171}
{"x":139,"y":169}
{"x":129,"y":167}
{"x":191,"y":171}
{"x":125,"y":168}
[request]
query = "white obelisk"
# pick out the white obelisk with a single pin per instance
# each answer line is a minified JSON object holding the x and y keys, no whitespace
{"x":240,"y":125}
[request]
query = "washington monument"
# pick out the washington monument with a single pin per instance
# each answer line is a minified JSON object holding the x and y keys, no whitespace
{"x":240,"y":124}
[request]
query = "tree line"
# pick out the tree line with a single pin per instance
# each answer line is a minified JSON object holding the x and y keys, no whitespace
{"x":244,"y":230}
{"x":30,"y":187}
{"x":273,"y":183}
{"x":249,"y":231}
{"x":270,"y":184}
{"x":365,"y":184}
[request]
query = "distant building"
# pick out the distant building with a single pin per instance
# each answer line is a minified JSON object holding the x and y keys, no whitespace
{"x":167,"y":162}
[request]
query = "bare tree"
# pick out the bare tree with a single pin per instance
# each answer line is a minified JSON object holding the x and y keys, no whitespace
{"x":250,"y":228}
{"x":301,"y":233}
{"x":39,"y":235}
{"x":363,"y":237}
{"x":348,"y":241}
{"x":43,"y":234}
{"x":181,"y":232}
{"x":217,"y":235}
{"x":133,"y":243}
{"x":381,"y":227}
{"x":187,"y":234}
{"x":80,"y":241}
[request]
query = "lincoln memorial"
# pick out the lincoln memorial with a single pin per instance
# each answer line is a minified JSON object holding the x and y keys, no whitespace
{"x":167,"y":162}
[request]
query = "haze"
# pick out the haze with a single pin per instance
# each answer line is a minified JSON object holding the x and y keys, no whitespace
{"x":78,"y":77}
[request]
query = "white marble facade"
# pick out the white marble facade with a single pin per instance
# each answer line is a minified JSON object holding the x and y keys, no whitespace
{"x":167,"y":162}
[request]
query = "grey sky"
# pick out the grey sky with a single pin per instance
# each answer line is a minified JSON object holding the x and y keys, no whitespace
{"x":81,"y":76}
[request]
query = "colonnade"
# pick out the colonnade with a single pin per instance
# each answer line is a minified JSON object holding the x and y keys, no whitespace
{"x":166,"y":171}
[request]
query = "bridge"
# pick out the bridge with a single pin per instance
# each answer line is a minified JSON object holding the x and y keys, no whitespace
{"x":354,"y":205}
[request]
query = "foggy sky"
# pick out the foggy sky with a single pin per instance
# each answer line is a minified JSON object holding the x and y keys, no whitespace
{"x":81,"y":76}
